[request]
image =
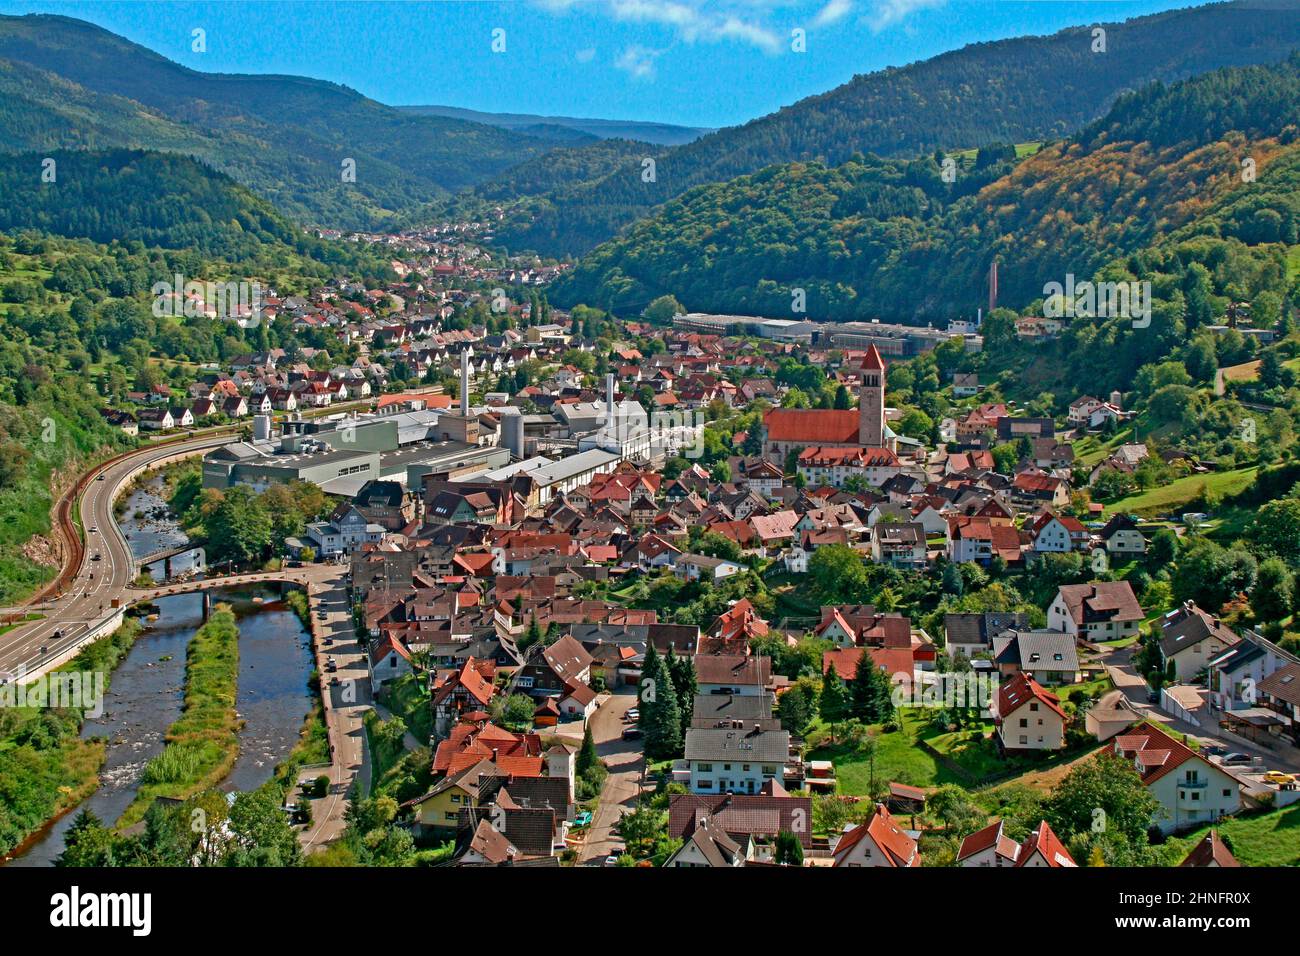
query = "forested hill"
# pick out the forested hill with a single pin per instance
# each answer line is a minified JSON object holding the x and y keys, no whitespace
{"x":892,"y":240}
{"x":1019,"y":90}
{"x":67,"y":83}
{"x":158,"y":199}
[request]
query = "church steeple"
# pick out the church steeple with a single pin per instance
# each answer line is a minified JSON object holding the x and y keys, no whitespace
{"x":871,"y":400}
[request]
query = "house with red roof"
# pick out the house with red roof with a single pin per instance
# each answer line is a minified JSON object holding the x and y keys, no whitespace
{"x":1191,"y":790}
{"x":1028,"y":717}
{"x":1098,"y":611}
{"x":992,"y":847}
{"x":878,"y":842}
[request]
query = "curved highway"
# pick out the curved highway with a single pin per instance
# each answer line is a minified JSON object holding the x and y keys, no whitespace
{"x":106,"y":569}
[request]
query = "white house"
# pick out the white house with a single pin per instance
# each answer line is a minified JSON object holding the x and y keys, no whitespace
{"x":878,"y":842}
{"x":1191,"y":790}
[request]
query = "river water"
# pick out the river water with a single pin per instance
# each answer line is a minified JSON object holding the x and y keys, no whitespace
{"x":146,"y":690}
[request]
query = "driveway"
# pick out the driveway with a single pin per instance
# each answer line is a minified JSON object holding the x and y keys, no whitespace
{"x":1134,"y":688}
{"x":626,"y":763}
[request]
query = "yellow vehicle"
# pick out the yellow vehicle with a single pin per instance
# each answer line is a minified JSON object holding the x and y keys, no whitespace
{"x":1279,"y":778}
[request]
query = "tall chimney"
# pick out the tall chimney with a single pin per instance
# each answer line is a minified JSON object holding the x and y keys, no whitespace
{"x":609,"y":401}
{"x":464,"y":382}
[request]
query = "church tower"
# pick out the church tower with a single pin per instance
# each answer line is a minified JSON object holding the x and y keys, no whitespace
{"x":871,"y":400}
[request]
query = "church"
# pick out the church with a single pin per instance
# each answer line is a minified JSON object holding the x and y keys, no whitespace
{"x":793,"y":429}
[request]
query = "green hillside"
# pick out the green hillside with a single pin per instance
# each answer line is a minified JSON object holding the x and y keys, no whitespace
{"x":1017,"y":90}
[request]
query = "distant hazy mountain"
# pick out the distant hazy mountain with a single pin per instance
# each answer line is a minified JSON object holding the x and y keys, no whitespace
{"x":1018,"y":90}
{"x":65,"y":83}
{"x":661,"y":134}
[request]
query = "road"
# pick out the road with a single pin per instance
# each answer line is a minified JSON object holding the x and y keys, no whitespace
{"x":626,"y":762}
{"x":1129,"y":683}
{"x":88,"y":597}
{"x":345,"y":706}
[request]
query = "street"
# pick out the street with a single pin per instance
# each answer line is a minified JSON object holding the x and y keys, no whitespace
{"x":626,"y":762}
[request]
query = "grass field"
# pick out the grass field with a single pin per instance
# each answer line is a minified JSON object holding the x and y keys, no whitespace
{"x":203,"y":742}
{"x":1182,"y":490}
{"x":1264,"y":839}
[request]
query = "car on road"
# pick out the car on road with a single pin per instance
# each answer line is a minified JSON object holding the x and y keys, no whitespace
{"x":633,"y":733}
{"x":1235,"y":759}
{"x":99,"y":477}
{"x":1279,"y":778}
{"x":93,"y":529}
{"x":96,"y":557}
{"x":614,"y":854}
{"x":58,"y":634}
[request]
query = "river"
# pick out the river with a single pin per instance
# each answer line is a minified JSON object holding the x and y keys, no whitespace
{"x":146,"y":690}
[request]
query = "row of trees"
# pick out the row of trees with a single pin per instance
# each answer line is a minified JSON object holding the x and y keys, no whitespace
{"x":667,"y":702}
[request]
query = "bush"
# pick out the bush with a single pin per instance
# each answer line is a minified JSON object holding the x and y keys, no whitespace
{"x":321,"y":786}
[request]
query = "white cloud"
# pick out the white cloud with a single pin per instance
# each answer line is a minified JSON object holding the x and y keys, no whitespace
{"x":692,"y":21}
{"x":833,"y":12}
{"x":887,"y":13}
{"x":638,"y":61}
{"x":586,"y":55}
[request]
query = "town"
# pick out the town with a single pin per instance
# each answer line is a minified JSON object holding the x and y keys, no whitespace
{"x":614,"y":588}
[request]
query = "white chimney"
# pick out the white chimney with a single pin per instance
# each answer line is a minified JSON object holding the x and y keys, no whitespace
{"x":610,"y":395}
{"x":464,"y":383}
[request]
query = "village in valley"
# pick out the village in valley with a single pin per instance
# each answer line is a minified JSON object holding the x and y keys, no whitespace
{"x":690,"y":591}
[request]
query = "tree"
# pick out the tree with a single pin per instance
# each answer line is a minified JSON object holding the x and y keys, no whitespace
{"x":796,"y":708}
{"x":834,"y":700}
{"x":1276,"y":529}
{"x":838,"y":574}
{"x":787,"y":851}
{"x":1211,"y":575}
{"x":1102,"y":794}
{"x":862,"y":690}
{"x":685,"y":683}
{"x":1273,"y":596}
{"x":87,"y":843}
{"x":518,"y":709}
{"x":660,"y":716}
{"x":661,"y":310}
{"x":587,"y":758}
{"x":238,"y":528}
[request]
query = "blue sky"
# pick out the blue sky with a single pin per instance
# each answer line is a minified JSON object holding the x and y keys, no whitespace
{"x":694,"y":62}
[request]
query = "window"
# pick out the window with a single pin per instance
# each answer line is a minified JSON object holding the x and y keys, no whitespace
{"x":705,"y":768}
{"x":1024,"y":721}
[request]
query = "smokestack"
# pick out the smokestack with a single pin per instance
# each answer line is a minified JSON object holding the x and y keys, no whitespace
{"x":464,"y":383}
{"x":609,"y":399}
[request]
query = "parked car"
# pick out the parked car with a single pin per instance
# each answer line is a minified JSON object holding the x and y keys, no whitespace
{"x":614,"y":854}
{"x":331,"y":665}
{"x":1235,"y":759}
{"x":1279,"y":778}
{"x":633,"y":733}
{"x":632,"y":715}
{"x":583,"y":819}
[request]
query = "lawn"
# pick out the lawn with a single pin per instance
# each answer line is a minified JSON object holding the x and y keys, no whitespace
{"x":1183,"y":490}
{"x":1271,"y":838}
{"x":898,"y":759}
{"x":408,"y":698}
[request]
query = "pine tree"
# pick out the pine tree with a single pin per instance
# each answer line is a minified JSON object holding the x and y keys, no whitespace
{"x":862,"y":690}
{"x":586,"y":753}
{"x":682,"y":670}
{"x":834,"y":701}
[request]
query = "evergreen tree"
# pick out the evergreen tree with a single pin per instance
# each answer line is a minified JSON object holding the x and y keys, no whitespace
{"x":834,"y":700}
{"x":586,"y":753}
{"x":862,"y":690}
